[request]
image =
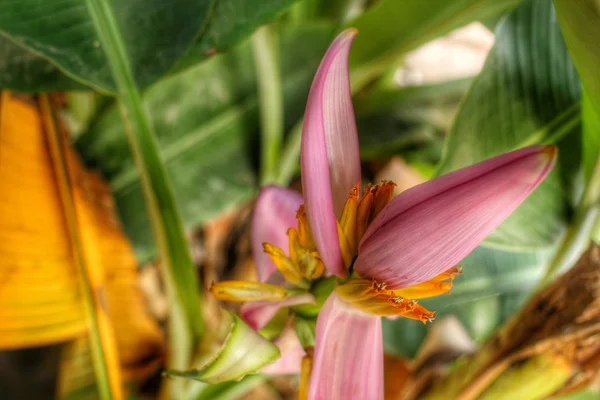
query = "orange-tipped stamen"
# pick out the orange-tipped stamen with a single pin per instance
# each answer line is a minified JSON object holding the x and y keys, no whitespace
{"x":425,"y":290}
{"x":383,"y":194}
{"x":448,"y":274}
{"x":374,"y":298}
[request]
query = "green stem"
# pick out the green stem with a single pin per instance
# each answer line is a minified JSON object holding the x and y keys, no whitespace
{"x":302,"y":11}
{"x":270,"y":95}
{"x":179,"y":274}
{"x":291,"y":153}
{"x":578,"y":235}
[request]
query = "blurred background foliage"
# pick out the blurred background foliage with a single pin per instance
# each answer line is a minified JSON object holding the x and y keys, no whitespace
{"x":439,"y":84}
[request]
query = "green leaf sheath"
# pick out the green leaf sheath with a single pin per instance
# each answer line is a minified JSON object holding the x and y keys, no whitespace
{"x":526,"y":91}
{"x":243,"y":352}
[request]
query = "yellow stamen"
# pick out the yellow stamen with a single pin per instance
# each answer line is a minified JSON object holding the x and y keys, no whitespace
{"x":348,"y":219}
{"x":288,"y":269}
{"x":247,"y":291}
{"x":304,"y":233}
{"x":294,"y":244}
{"x":347,"y":254}
{"x":309,"y":263}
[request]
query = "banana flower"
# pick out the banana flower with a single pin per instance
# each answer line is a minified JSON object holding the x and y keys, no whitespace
{"x":387,"y":253}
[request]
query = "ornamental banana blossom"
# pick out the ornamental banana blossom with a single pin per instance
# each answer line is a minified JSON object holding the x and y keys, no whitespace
{"x":388,"y":253}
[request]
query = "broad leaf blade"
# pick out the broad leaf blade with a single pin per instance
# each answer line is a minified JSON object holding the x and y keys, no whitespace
{"x":230,"y":23}
{"x":200,"y":135}
{"x":527,"y":89}
{"x":24,"y":71}
{"x":153,"y":32}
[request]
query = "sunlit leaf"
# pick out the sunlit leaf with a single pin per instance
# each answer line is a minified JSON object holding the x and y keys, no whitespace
{"x":40,"y":299}
{"x":60,"y":234}
{"x":138,"y":338}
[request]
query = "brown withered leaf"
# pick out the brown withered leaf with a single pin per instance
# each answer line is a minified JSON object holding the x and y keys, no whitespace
{"x":398,"y":378}
{"x":559,"y":328}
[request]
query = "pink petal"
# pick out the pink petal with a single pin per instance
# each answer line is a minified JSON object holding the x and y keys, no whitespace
{"x":348,"y":357}
{"x":274,"y":213}
{"x":258,"y":313}
{"x":330,"y":159}
{"x":431,"y":227}
{"x":291,"y":354}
